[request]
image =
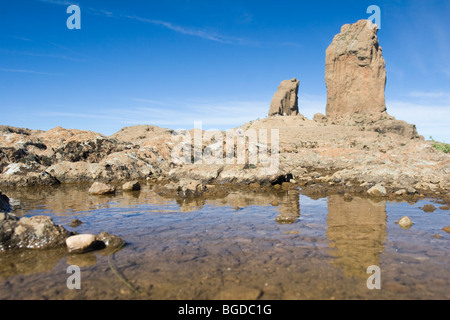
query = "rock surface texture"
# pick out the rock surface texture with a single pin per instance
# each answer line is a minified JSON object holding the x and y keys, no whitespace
{"x":355,"y":72}
{"x":285,"y":100}
{"x":37,"y":232}
{"x":4,"y":203}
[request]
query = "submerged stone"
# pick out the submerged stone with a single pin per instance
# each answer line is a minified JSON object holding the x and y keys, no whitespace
{"x":405,"y":222}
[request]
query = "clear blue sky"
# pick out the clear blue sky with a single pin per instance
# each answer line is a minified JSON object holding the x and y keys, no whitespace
{"x":173,"y":62}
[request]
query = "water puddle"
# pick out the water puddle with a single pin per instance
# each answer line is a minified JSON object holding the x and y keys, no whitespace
{"x":245,"y":245}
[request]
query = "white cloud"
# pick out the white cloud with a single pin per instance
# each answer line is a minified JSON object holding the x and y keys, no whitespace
{"x":440,"y":96}
{"x":30,"y":71}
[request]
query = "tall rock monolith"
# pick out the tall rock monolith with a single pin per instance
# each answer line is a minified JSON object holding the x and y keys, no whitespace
{"x":355,"y":73}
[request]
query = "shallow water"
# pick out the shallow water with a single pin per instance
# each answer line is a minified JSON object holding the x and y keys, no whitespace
{"x":246,"y":245}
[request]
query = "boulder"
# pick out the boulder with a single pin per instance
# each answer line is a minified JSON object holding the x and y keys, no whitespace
{"x":37,"y":232}
{"x":86,"y":242}
{"x":377,"y":191}
{"x":99,"y":188}
{"x":429,"y":208}
{"x":190,"y":188}
{"x":285,"y":100}
{"x":80,"y":243}
{"x":355,"y":72}
{"x":320,"y":118}
{"x":131,"y":186}
{"x":110,"y":241}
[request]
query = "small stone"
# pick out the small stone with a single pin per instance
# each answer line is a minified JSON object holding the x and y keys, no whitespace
{"x":275,"y":203}
{"x":111,"y":241}
{"x":377,"y":191}
{"x":293,"y":181}
{"x":131,"y":186}
{"x":80,"y":243}
{"x":411,"y":190}
{"x":445,"y":208}
{"x":446,"y":229}
{"x":400,"y":192}
{"x":75,"y":223}
{"x":99,"y":188}
{"x":405,"y":222}
{"x":437,"y":236}
{"x":429,"y":208}
{"x":348,"y":197}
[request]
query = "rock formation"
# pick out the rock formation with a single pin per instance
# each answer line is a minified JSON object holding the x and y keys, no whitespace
{"x":355,"y":72}
{"x":285,"y":100}
{"x":4,"y":203}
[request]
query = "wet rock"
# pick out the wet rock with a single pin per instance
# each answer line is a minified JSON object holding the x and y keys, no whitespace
{"x":400,"y":192}
{"x":80,"y":243}
{"x":87,"y":242}
{"x":377,"y":191}
{"x":444,"y":207}
{"x":4,"y":203}
{"x":348,"y":197}
{"x":190,"y":188}
{"x":428,"y":208}
{"x":111,"y":241}
{"x":8,"y":223}
{"x":75,"y":223}
{"x":38,"y":232}
{"x":405,"y":222}
{"x":99,"y":188}
{"x":131,"y":186}
{"x":446,"y":229}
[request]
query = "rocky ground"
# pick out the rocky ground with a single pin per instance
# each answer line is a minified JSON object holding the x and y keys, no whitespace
{"x":358,"y":154}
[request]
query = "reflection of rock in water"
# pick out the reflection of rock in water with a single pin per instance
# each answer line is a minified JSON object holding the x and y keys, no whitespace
{"x":356,"y":231}
{"x":191,"y":204}
{"x":289,"y":208}
{"x":29,"y":261}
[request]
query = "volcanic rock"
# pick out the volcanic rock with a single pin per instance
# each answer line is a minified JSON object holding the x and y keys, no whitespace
{"x":355,"y":72}
{"x":99,"y":188}
{"x":285,"y":100}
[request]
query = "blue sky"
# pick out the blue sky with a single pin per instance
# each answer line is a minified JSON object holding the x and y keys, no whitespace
{"x":173,"y":62}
